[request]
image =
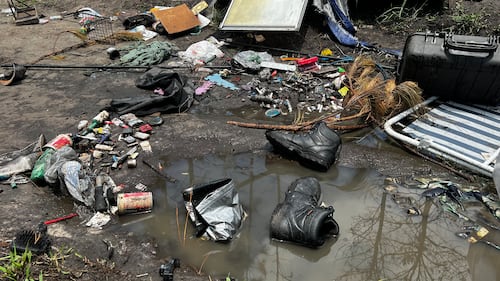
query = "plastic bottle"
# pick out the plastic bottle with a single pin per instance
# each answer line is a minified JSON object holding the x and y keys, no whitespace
{"x":96,"y":121}
{"x":100,"y":200}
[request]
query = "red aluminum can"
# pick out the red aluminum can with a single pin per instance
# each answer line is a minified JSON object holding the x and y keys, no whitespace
{"x":59,"y":141}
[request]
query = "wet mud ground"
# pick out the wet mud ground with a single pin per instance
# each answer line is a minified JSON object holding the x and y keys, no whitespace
{"x":377,"y":240}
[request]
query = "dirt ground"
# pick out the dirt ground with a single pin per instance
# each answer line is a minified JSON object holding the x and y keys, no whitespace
{"x":53,"y":101}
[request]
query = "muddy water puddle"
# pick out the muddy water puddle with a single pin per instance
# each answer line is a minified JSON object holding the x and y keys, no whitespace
{"x":377,"y":240}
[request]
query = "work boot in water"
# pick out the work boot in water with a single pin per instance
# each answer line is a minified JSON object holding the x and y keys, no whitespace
{"x":317,"y":149}
{"x":300,"y":219}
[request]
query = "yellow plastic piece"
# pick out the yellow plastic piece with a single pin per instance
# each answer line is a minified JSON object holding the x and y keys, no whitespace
{"x":343,"y":91}
{"x":326,"y":52}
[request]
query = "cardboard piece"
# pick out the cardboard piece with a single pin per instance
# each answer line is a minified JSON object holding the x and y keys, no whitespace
{"x":177,"y":19}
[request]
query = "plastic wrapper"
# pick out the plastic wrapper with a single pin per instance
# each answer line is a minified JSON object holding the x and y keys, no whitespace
{"x":251,"y":59}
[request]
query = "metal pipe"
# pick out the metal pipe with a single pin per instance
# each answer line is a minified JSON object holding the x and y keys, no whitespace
{"x":48,"y":66}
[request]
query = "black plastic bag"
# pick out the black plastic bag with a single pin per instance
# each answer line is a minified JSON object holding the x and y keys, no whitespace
{"x":178,"y":95}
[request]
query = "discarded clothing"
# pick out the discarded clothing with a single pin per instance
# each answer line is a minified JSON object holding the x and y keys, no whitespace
{"x":178,"y":95}
{"x":214,"y":209}
{"x":300,"y":218}
{"x":147,"y":54}
{"x":337,"y":16}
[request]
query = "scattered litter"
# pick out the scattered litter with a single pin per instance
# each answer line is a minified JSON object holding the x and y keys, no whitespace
{"x":167,"y":270}
{"x":98,"y":220}
{"x":279,"y":66}
{"x":219,"y":81}
{"x":141,"y":187}
{"x":207,"y":85}
{"x":134,"y":202}
{"x":146,"y":146}
{"x":72,"y":215}
{"x":252,"y":60}
{"x":146,"y":33}
{"x":273,"y":112}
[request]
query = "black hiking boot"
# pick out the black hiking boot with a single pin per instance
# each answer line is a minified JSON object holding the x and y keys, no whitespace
{"x":317,"y":149}
{"x":300,"y":219}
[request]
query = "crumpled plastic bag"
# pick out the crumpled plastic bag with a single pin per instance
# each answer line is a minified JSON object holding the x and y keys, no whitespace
{"x":214,"y":209}
{"x":251,"y":60}
{"x":77,"y":182}
{"x":60,"y":156}
{"x":201,"y":52}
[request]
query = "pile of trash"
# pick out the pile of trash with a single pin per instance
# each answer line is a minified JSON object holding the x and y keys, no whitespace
{"x":81,"y":164}
{"x":452,"y":198}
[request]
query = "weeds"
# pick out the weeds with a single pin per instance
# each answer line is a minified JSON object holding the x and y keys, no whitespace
{"x":57,"y":257}
{"x":468,"y":23}
{"x":400,"y":18}
{"x":17,"y":267}
{"x":401,"y":13}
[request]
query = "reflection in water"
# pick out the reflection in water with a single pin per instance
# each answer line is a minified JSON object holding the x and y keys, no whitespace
{"x":377,"y":240}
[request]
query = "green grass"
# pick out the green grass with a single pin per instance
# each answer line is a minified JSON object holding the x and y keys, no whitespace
{"x":17,"y":267}
{"x":468,"y":23}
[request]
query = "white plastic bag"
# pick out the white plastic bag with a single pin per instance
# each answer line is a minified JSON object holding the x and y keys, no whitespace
{"x":201,"y":52}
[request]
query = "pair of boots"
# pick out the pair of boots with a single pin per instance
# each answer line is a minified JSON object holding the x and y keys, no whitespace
{"x":317,"y":149}
{"x":300,"y":218}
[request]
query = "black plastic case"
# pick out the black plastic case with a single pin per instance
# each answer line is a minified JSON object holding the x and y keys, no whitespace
{"x":453,"y":67}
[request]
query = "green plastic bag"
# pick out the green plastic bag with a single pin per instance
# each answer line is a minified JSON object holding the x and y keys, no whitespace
{"x":38,"y":172}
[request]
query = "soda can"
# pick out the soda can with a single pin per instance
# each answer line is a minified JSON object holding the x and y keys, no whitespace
{"x":134,"y":202}
{"x":59,"y":141}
